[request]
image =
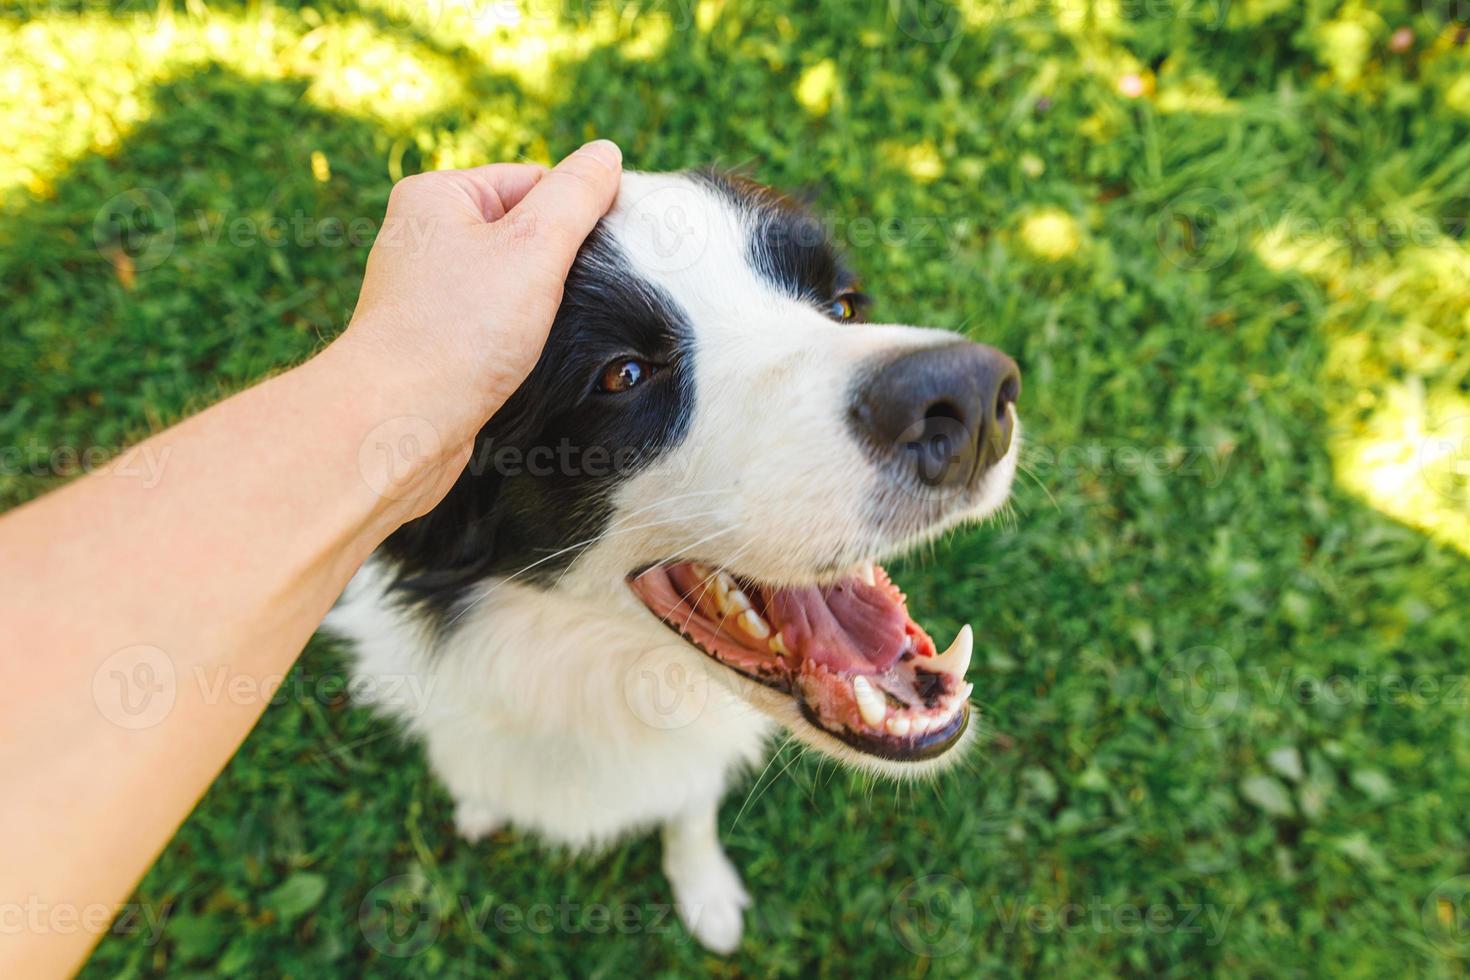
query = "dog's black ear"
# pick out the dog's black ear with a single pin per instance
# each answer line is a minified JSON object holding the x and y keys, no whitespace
{"x":467,"y":535}
{"x":741,"y":178}
{"x":807,"y":194}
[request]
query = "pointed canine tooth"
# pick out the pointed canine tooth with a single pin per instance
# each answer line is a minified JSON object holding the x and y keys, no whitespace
{"x":956,"y":660}
{"x":871,"y":705}
{"x":778,"y":646}
{"x":868,"y":573}
{"x":751,"y":622}
{"x":897,"y":725}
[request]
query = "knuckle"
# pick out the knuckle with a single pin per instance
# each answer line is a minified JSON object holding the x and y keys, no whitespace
{"x":410,"y":187}
{"x":520,"y":226}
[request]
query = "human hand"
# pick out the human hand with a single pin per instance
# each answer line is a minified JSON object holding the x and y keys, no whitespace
{"x":461,"y":288}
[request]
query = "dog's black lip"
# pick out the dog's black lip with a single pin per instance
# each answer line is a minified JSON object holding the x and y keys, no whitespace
{"x":930,"y":745}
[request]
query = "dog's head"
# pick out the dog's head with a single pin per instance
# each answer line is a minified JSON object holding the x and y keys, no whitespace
{"x":715,"y":442}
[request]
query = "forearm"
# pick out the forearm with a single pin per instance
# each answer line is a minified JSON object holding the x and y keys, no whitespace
{"x":145,"y":639}
{"x":147,"y":618}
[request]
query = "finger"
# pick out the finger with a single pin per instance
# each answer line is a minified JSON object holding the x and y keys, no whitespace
{"x":561,"y":209}
{"x":495,"y":188}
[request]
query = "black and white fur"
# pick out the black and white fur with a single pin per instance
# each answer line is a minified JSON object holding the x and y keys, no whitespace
{"x":544,"y":686}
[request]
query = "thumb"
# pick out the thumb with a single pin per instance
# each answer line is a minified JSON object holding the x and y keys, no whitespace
{"x":558,"y":214}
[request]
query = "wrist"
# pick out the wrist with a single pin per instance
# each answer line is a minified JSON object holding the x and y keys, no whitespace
{"x":432,"y":379}
{"x":402,"y":448}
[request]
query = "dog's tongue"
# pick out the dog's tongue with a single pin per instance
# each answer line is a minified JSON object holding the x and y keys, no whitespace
{"x":849,"y":627}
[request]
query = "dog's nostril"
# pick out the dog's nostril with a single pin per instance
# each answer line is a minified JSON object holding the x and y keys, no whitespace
{"x":1010,"y":390}
{"x":944,"y":410}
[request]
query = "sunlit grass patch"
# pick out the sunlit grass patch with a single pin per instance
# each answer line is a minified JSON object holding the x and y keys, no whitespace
{"x":1410,"y":459}
{"x":1398,"y":327}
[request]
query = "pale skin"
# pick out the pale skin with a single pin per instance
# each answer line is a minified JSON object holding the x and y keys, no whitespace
{"x":151,"y":608}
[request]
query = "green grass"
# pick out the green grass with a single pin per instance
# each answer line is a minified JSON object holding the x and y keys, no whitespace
{"x":1223,"y":629}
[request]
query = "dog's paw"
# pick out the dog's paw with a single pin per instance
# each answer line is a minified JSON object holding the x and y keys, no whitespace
{"x":476,"y":821}
{"x":710,"y":901}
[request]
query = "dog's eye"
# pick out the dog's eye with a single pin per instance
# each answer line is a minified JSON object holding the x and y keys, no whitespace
{"x":843,"y":307}
{"x":621,"y":375}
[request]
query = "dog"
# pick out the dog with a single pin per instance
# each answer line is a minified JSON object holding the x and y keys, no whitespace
{"x":665,"y":545}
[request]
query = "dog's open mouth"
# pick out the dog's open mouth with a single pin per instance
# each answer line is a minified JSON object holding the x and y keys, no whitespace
{"x":857,"y":664}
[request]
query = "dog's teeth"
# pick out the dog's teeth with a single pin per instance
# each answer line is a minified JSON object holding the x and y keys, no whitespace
{"x":897,"y":725}
{"x":908,"y":644}
{"x":724,"y":584}
{"x":956,"y":660}
{"x":871,"y":704}
{"x":732,"y":602}
{"x":778,"y":646}
{"x":868,"y":573}
{"x":751,"y":622}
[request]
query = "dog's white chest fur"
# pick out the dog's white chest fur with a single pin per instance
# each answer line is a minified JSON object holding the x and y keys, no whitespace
{"x":538,"y":712}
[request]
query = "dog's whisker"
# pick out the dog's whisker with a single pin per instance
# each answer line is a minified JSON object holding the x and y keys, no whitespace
{"x":1044,"y":488}
{"x":776,"y":778}
{"x":693,"y":608}
{"x":616,"y":525}
{"x":622,"y":521}
{"x":769,"y":763}
{"x":561,"y":551}
{"x":709,"y":579}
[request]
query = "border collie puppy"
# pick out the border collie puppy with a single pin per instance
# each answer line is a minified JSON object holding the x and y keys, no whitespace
{"x":664,"y":545}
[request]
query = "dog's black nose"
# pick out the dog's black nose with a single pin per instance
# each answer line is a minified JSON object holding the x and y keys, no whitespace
{"x":945,"y":412}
